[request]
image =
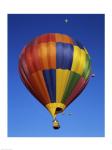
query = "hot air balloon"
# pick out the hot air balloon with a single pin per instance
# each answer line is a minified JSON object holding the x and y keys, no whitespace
{"x":55,"y":69}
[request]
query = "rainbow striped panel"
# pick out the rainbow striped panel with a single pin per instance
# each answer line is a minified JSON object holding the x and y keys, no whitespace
{"x":54,"y":68}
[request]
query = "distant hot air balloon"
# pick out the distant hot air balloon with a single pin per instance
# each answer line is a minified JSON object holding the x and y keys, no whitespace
{"x":55,"y":69}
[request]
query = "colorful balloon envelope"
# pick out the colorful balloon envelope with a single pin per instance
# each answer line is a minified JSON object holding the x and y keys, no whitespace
{"x":55,"y":69}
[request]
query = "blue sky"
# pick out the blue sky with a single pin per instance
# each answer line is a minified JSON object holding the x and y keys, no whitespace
{"x":26,"y":116}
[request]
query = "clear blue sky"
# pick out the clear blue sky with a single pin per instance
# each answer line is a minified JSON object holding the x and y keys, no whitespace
{"x":26,"y":116}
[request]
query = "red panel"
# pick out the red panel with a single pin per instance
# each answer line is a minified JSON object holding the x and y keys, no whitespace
{"x":42,"y":98}
{"x":36,"y":59}
{"x":23,"y":65}
{"x":29,"y":59}
{"x":45,"y":38}
{"x":26,"y":81}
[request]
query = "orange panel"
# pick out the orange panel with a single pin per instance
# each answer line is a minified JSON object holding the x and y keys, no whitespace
{"x":29,"y":59}
{"x":63,"y":38}
{"x":38,"y":84}
{"x":51,"y":55}
{"x":47,"y":55}
{"x":43,"y":51}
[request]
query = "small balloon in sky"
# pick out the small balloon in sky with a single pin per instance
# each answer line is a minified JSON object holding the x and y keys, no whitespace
{"x":55,"y":69}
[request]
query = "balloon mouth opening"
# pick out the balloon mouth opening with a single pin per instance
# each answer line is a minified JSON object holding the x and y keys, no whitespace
{"x":58,"y":110}
{"x":55,"y":108}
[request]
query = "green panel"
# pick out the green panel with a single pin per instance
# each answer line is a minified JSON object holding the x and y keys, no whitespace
{"x":88,"y":73}
{"x":87,"y":67}
{"x":72,"y":81}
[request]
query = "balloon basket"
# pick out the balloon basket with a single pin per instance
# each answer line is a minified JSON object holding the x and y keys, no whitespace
{"x":56,"y":124}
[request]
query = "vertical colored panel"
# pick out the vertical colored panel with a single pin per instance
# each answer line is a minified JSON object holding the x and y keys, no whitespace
{"x":76,"y":58}
{"x":72,"y":81}
{"x":87,"y":68}
{"x":44,"y":55}
{"x":59,"y":55}
{"x":25,"y":78}
{"x":68,"y":56}
{"x":47,"y":55}
{"x":79,"y":60}
{"x":58,"y":83}
{"x":29,"y":59}
{"x":75,"y":91}
{"x":52,"y":55}
{"x":38,"y":84}
{"x":82,"y":88}
{"x":24,"y":66}
{"x":82,"y":62}
{"x":64,"y":55}
{"x":61,"y":82}
{"x":36,"y":57}
{"x":50,"y":79}
{"x":88,"y":73}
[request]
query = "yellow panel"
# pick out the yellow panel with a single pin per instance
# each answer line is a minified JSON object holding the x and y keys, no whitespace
{"x":61,"y":82}
{"x":81,"y":65}
{"x":76,"y":55}
{"x":58,"y":83}
{"x":79,"y":60}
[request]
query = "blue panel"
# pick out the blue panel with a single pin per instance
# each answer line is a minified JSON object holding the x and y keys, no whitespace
{"x":59,"y":55}
{"x":64,"y":55}
{"x":50,"y":80}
